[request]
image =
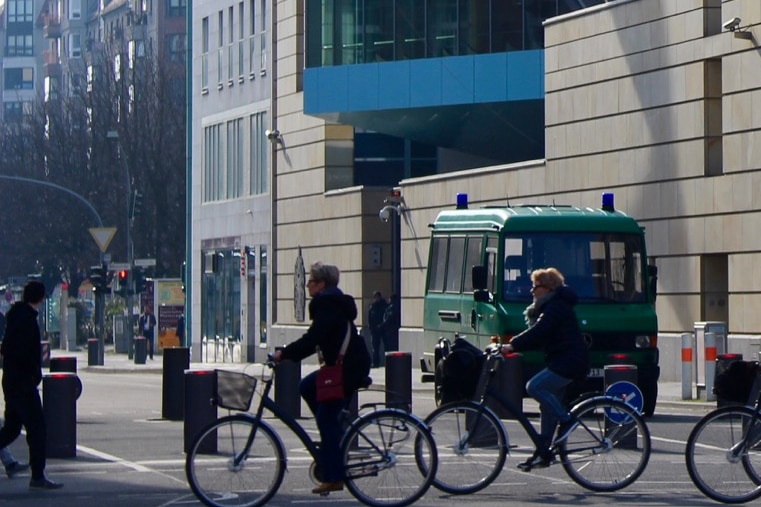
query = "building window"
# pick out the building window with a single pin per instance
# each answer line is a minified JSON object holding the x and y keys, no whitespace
{"x":258,"y":172}
{"x":220,"y":299}
{"x":19,"y":78}
{"x":234,"y":143}
{"x":176,"y":47}
{"x":19,"y":45}
{"x":12,"y":111}
{"x":176,"y":8}
{"x":75,"y":9}
{"x":220,"y":48}
{"x":75,"y":45}
{"x":205,"y":54}
{"x":20,"y":11}
{"x":212,"y":163}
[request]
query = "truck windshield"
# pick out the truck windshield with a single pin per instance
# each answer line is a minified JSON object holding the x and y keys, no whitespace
{"x":604,"y":267}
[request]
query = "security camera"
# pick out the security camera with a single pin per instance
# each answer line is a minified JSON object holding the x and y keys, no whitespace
{"x":272,"y":135}
{"x":732,"y":25}
{"x":385,"y":213}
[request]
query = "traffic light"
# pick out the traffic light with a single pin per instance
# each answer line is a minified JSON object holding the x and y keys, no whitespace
{"x":100,"y":278}
{"x":123,"y":276}
{"x":135,"y":204}
{"x":139,"y":277}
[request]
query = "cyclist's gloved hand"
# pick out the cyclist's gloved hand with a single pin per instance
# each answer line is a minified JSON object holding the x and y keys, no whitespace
{"x":276,"y":356}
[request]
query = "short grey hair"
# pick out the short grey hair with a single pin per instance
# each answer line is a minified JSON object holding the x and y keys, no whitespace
{"x":327,"y":273}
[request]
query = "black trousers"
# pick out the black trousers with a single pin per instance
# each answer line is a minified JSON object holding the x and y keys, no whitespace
{"x":149,"y":341}
{"x":25,"y":409}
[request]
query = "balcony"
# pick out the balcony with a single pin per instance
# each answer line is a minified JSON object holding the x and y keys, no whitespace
{"x":51,"y":27}
{"x":52,"y":63}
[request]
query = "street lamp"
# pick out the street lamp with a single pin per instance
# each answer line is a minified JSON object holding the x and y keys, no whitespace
{"x":113,"y":134}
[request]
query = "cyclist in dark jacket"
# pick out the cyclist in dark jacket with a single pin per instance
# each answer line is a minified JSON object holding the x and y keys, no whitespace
{"x":554,"y":329}
{"x":330,"y":311}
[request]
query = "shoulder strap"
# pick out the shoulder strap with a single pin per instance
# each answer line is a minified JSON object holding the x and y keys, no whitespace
{"x":345,"y":344}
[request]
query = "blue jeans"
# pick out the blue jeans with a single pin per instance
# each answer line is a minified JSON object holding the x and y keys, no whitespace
{"x":547,"y":387}
{"x":327,"y":416}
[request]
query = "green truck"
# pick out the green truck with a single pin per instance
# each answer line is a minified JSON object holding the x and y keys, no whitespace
{"x":602,"y":254}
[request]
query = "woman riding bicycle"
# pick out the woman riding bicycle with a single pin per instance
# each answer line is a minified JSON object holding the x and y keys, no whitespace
{"x":554,"y":329}
{"x":330,"y":311}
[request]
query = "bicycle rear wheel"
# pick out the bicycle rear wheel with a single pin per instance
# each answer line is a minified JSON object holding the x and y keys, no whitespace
{"x":472,"y":447}
{"x":390,"y":458}
{"x":723,"y":458}
{"x":222,"y":472}
{"x":609,"y":448}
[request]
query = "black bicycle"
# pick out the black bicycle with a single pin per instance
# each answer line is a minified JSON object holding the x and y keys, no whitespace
{"x":239,"y":460}
{"x":607,"y":450}
{"x":723,"y":453}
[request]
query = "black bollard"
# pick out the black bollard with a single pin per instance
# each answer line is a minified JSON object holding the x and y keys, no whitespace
{"x":93,"y":352}
{"x":399,"y":380}
{"x":200,"y":410}
{"x":287,"y":381}
{"x":510,"y":383}
{"x":140,"y":349}
{"x":176,"y":361}
{"x":59,"y":402}
{"x":614,"y":373}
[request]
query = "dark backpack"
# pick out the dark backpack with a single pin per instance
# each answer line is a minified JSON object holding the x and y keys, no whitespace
{"x":459,"y":371}
{"x":736,"y":382}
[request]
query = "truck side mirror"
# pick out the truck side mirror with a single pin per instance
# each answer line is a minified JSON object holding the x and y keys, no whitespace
{"x":479,"y":277}
{"x":652,"y":278}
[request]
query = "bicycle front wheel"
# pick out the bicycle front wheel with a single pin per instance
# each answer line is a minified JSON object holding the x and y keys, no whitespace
{"x":723,"y":455}
{"x":390,"y":458}
{"x":609,"y":448}
{"x":228,"y":465}
{"x":472,"y":447}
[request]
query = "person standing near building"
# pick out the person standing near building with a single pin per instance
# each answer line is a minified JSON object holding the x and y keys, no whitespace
{"x":147,"y":324}
{"x":180,"y":331}
{"x":22,"y":374}
{"x":392,"y":321}
{"x":375,"y":321}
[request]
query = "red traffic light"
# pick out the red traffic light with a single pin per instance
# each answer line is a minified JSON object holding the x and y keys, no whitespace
{"x":123,"y":274}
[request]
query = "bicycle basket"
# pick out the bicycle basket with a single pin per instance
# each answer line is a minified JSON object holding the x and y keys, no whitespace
{"x":234,"y":390}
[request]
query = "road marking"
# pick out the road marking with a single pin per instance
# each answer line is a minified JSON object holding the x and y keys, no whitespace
{"x":110,"y":457}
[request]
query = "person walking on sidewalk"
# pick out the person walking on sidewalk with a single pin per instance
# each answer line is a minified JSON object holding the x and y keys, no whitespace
{"x":22,"y":374}
{"x":147,"y":324}
{"x":375,"y":321}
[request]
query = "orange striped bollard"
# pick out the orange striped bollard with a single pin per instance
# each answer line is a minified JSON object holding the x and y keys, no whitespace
{"x":710,"y":369}
{"x":687,"y":366}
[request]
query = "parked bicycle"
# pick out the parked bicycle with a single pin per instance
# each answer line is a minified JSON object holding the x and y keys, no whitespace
{"x":239,"y":460}
{"x":606,"y":451}
{"x":723,"y":453}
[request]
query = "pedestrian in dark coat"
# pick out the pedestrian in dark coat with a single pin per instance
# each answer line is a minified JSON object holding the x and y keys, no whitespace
{"x":22,"y":374}
{"x":375,"y":321}
{"x":331,"y":311}
{"x":554,"y":329}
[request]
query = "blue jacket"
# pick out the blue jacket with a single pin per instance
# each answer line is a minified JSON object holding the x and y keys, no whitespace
{"x":556,"y":332}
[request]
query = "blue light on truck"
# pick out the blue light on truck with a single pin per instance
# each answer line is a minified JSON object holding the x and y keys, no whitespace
{"x":462,"y":201}
{"x":607,"y":202}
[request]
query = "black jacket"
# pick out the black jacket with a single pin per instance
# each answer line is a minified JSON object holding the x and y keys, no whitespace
{"x":557,"y":333}
{"x":330,"y":311}
{"x":375,"y":315}
{"x":21,"y":349}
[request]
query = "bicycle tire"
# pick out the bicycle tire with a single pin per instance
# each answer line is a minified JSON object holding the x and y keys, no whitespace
{"x":467,"y":465}
{"x":610,"y":447}
{"x":716,"y":471}
{"x":212,"y":475}
{"x":390,"y":458}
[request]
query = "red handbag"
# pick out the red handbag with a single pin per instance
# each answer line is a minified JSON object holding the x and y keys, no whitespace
{"x":330,"y":379}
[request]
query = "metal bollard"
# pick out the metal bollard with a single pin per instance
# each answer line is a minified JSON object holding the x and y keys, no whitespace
{"x":710,"y":368}
{"x":45,"y":354}
{"x":140,"y":349}
{"x":510,"y":383}
{"x":287,"y":381}
{"x":200,"y":410}
{"x":722,"y":363}
{"x":613,"y":374}
{"x":399,"y":380}
{"x":93,"y":352}
{"x":687,"y":366}
{"x":59,"y":405}
{"x":176,"y":361}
